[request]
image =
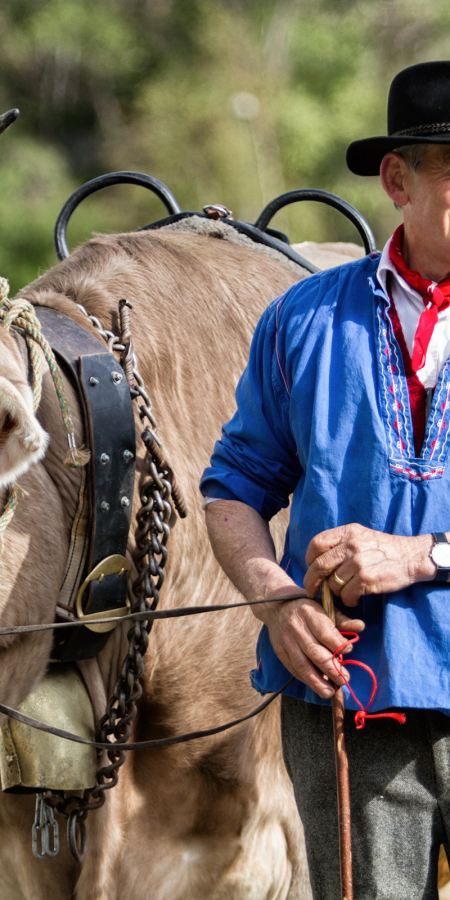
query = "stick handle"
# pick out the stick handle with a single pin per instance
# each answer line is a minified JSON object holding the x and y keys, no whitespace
{"x":328,"y":602}
{"x":343,"y":786}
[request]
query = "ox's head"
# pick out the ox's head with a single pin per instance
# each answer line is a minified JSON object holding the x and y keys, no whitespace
{"x":22,"y":439}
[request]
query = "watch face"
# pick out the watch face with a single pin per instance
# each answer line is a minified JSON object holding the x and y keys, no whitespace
{"x":440,"y":555}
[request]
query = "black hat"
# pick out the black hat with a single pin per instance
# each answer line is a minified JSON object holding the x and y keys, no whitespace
{"x":418,"y":113}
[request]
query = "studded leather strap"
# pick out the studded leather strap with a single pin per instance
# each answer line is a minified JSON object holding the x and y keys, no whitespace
{"x":110,"y":433}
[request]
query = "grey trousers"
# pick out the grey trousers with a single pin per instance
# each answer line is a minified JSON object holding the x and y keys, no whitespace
{"x":400,"y":799}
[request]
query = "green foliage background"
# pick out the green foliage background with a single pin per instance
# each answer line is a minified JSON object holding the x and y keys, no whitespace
{"x":229,"y":101}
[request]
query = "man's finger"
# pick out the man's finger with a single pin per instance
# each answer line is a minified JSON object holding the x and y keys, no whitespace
{"x":309,"y":667}
{"x":324,"y":541}
{"x":315,"y":635}
{"x":345,"y":623}
{"x":317,"y":628}
{"x":324,"y":566}
{"x":320,"y":655}
{"x":314,"y":646}
{"x":296,"y":662}
{"x":352,"y":592}
{"x":342,"y":575}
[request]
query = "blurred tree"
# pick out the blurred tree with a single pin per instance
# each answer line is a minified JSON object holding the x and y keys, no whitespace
{"x":230,"y":101}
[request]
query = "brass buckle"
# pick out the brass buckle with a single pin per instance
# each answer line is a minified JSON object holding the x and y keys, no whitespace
{"x":111,"y":565}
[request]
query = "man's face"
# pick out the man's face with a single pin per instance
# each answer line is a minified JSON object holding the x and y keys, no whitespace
{"x":427,"y":210}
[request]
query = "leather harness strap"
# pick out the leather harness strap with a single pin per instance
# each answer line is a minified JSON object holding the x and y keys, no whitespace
{"x":139,"y":745}
{"x":107,"y":410}
{"x":150,"y":615}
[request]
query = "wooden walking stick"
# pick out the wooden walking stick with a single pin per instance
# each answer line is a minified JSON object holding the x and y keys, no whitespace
{"x":343,"y":785}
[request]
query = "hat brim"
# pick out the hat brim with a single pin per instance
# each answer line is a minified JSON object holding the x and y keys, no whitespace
{"x":364,"y":157}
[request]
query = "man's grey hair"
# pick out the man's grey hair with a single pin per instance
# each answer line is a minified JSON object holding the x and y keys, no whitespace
{"x":413,"y":154}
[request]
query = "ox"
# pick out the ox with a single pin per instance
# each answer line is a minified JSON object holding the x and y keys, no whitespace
{"x":215,"y":818}
{"x":209,"y":820}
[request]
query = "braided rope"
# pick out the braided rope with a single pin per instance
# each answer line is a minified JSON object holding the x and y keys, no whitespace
{"x":9,"y":316}
{"x":20,"y":312}
{"x":436,"y":128}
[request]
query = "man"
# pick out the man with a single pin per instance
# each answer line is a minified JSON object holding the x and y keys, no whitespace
{"x":345,"y":404}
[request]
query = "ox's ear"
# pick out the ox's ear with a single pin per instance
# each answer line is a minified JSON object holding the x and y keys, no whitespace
{"x":22,"y":439}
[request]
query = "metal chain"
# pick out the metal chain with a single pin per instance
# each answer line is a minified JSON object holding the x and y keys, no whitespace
{"x":157,"y":491}
{"x":123,"y":345}
{"x":111,"y":339}
{"x":41,"y":843}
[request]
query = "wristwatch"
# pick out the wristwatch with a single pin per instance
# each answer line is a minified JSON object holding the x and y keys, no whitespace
{"x":440,"y":554}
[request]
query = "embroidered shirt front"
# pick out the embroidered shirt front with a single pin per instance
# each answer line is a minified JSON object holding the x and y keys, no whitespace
{"x":409,"y":306}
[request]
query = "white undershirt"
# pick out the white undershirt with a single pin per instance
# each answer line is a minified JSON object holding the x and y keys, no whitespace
{"x":409,"y":306}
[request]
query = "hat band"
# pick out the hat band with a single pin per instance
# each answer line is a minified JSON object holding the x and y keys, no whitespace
{"x":423,"y":129}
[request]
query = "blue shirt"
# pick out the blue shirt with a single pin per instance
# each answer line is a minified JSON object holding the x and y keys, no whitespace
{"x":323,"y":414}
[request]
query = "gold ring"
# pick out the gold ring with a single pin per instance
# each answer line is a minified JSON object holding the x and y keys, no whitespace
{"x":339,"y":580}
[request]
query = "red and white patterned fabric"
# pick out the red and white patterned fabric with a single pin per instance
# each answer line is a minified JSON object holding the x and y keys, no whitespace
{"x":428,"y":351}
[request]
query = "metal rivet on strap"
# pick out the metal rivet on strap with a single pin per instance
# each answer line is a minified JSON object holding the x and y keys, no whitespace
{"x":93,"y":380}
{"x":124,"y":502}
{"x":127,"y":455}
{"x":117,"y":377}
{"x":104,"y":506}
{"x":104,"y":458}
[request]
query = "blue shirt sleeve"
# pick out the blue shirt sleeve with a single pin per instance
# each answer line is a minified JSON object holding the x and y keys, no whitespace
{"x":256,"y":459}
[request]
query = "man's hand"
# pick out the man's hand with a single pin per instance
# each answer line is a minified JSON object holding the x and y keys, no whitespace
{"x":369,"y":562}
{"x":304,"y":639}
{"x":302,"y":635}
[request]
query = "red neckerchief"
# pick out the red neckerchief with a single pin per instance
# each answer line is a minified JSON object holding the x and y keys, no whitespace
{"x":434,"y":296}
{"x":416,"y":390}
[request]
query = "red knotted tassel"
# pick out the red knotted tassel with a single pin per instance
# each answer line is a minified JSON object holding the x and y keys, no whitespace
{"x":361,"y":715}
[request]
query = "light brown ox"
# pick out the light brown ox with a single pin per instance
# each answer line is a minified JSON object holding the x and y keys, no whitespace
{"x":209,"y":820}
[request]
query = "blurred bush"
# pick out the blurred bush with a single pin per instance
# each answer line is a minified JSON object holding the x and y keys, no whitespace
{"x":229,"y":101}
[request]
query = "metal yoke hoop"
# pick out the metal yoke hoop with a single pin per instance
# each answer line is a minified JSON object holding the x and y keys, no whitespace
{"x":319,"y":196}
{"x":273,"y":239}
{"x":97,"y":184}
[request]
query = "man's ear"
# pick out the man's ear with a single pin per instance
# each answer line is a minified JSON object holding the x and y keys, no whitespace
{"x":394,"y":178}
{"x":23,"y":441}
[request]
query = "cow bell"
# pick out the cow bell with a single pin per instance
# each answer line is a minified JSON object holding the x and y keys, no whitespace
{"x":32,"y":760}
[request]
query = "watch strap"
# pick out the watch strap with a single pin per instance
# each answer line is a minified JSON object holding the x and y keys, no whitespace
{"x":441,"y":574}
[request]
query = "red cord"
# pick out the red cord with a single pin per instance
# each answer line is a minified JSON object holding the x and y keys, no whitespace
{"x":361,"y":715}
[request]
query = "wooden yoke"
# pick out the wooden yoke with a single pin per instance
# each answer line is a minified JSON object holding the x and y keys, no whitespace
{"x":343,"y":786}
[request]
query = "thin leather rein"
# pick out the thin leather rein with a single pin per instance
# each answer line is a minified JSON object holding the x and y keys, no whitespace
{"x":148,"y":615}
